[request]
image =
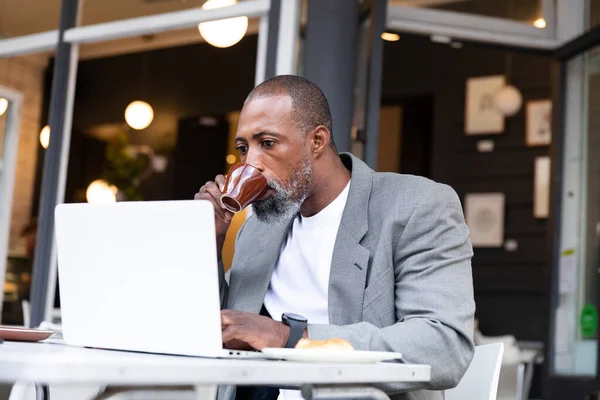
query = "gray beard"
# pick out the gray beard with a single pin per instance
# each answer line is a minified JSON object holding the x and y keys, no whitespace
{"x":286,"y":202}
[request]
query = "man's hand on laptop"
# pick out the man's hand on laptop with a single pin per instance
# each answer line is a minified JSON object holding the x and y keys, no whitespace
{"x":211,"y":191}
{"x":242,"y":330}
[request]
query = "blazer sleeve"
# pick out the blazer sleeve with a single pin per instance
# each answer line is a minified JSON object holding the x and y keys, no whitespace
{"x":433,"y":295}
{"x":223,"y":285}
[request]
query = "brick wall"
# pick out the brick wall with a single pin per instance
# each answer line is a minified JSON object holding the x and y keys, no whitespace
{"x":25,"y":74}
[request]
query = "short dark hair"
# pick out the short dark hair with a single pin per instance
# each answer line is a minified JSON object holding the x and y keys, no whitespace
{"x":309,"y":104}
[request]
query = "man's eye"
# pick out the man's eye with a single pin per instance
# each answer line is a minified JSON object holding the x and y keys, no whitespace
{"x":268,"y":143}
{"x":242,"y":149}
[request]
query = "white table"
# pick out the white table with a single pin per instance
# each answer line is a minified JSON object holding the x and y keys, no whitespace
{"x":55,"y":363}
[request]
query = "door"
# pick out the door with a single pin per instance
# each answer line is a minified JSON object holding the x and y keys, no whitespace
{"x":572,"y":351}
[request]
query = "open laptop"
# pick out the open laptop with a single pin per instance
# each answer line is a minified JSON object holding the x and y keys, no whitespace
{"x":141,"y":276}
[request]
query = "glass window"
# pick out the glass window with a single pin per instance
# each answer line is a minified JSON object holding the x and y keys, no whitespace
{"x":517,"y":10}
{"x":99,"y":11}
{"x":23,"y":75}
{"x":155,"y":119}
{"x":181,"y":37}
{"x":222,"y":34}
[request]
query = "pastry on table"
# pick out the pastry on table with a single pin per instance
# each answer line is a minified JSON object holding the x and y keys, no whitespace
{"x":330,"y":344}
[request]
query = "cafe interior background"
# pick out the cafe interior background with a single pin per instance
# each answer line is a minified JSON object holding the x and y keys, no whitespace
{"x":155,"y":116}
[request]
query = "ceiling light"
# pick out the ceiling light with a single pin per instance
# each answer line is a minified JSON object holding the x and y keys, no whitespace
{"x":231,"y":159}
{"x":100,"y":192}
{"x":540,"y":23}
{"x":508,"y":100}
{"x":3,"y":105}
{"x":225,"y":32}
{"x":390,"y":37}
{"x":139,"y":115}
{"x":45,"y":137}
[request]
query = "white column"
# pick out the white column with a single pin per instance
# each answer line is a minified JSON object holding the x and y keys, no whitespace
{"x":261,"y":51}
{"x":287,"y":43}
{"x":63,"y":169}
{"x":571,"y":18}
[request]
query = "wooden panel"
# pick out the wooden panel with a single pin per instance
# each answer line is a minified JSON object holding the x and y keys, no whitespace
{"x":390,"y":134}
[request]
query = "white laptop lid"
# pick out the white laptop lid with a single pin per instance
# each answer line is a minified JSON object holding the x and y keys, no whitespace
{"x":139,"y":276}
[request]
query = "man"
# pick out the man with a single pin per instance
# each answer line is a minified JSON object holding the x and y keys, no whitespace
{"x":336,"y":250}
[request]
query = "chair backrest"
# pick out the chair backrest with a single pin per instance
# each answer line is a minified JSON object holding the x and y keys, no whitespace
{"x":480,"y":382}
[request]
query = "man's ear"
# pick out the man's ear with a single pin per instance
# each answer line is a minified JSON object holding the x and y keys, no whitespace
{"x":320,"y":139}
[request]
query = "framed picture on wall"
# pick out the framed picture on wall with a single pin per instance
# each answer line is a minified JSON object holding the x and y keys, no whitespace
{"x":481,"y":115}
{"x":541,"y":190}
{"x":484,"y":213}
{"x":539,"y":123}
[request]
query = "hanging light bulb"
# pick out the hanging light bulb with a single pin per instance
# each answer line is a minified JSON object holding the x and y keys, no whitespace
{"x":540,"y":23}
{"x":139,"y":115}
{"x":100,"y":192}
{"x":45,"y":136}
{"x":390,"y":37}
{"x":3,"y":105}
{"x":226,"y":32}
{"x":231,"y":159}
{"x":508,"y":100}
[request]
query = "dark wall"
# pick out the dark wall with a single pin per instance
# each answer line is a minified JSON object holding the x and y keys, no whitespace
{"x":86,"y":163}
{"x":511,"y":288}
{"x":191,"y":170}
{"x":185,"y":81}
{"x":416,"y":138}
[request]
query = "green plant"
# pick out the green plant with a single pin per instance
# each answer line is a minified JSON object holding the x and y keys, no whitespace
{"x":124,"y":168}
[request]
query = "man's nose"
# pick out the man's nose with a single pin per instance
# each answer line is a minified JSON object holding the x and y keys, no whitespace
{"x":253,"y":158}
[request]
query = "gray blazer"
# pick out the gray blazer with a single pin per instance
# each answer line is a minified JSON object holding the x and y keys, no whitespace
{"x":400,"y":276}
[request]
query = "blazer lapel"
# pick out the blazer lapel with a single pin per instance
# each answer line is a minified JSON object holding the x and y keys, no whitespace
{"x":350,"y":262}
{"x":251,"y":277}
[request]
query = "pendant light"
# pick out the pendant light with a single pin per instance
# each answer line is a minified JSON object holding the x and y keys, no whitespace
{"x":139,"y":114}
{"x":508,"y":100}
{"x":45,"y":136}
{"x":3,"y":105}
{"x":100,"y":192}
{"x":225,"y":32}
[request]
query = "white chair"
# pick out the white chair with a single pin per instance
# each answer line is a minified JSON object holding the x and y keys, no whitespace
{"x":480,"y":382}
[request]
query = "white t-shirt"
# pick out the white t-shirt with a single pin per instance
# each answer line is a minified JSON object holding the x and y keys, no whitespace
{"x":300,"y":280}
